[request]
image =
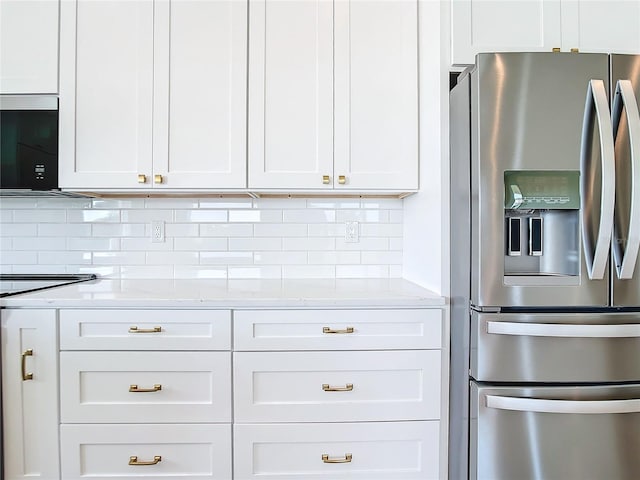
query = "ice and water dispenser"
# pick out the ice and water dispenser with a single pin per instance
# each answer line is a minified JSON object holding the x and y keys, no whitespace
{"x":541,"y":223}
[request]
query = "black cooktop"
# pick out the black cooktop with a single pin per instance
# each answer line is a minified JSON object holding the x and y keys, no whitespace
{"x":14,"y":284}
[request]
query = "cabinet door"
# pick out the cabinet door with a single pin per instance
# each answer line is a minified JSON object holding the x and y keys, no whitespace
{"x":498,"y":26}
{"x":376,"y":94}
{"x":606,"y":26}
{"x":200,"y":93}
{"x":106,"y":91}
{"x":290,"y":94}
{"x":29,"y":46}
{"x":30,"y":394}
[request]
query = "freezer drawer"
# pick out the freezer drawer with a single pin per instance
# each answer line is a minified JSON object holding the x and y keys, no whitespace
{"x":551,"y":347}
{"x":554,"y":433}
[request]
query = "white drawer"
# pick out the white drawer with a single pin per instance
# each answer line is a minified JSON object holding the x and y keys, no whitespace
{"x":290,"y":386}
{"x":95,"y":387}
{"x":337,"y":329}
{"x":117,"y":329}
{"x":103,"y":452}
{"x":389,"y":451}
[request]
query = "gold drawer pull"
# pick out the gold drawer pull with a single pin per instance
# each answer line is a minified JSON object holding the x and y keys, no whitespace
{"x":157,"y":179}
{"x":25,"y":354}
{"x":135,"y":329}
{"x":347,"y":459}
{"x":142,"y":178}
{"x":330,"y":330}
{"x":342,"y":179}
{"x":134,"y":388}
{"x":326,"y":179}
{"x":134,"y":461}
{"x":347,"y":388}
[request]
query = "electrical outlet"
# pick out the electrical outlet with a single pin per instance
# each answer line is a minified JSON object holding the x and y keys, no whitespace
{"x":157,"y":231}
{"x":352,"y":232}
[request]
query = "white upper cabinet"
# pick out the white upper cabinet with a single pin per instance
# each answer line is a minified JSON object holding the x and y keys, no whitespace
{"x":333,"y":95}
{"x":153,"y":94}
{"x":610,"y":26}
{"x":29,"y":46}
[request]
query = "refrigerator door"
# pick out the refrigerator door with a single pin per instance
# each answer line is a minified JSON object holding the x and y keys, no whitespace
{"x":555,"y":433}
{"x":625,"y":72}
{"x":553,"y":347}
{"x":526,"y":121}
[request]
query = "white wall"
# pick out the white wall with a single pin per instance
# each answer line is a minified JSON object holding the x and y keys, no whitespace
{"x":205,"y":238}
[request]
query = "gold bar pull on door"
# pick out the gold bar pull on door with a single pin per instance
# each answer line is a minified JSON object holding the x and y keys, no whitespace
{"x":331,"y":330}
{"x":25,"y":375}
{"x":347,"y":458}
{"x":135,"y":329}
{"x":135,"y":389}
{"x":347,"y":388}
{"x":134,"y":461}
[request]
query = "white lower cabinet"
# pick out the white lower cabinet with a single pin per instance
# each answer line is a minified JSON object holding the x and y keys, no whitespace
{"x":332,"y":451}
{"x":128,"y":452}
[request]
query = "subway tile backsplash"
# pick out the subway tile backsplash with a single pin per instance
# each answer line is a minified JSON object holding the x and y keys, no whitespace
{"x":204,"y":237}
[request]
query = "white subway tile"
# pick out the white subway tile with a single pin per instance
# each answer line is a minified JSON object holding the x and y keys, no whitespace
{"x":396,"y":216}
{"x":173,"y":203}
{"x":102,"y":216}
{"x":308,"y":271}
{"x":226,"y":258}
{"x":93,"y":244}
{"x":280,"y":203}
{"x":18,"y":258}
{"x":381,"y":257}
{"x":262,"y":271}
{"x":309,"y":243}
{"x":6,"y":243}
{"x":116,"y":204}
{"x":66,"y":203}
{"x":102,"y":271}
{"x":200,"y":244}
{"x":135,"y":244}
{"x":201,"y":216}
{"x":146,"y":271}
{"x":373,"y":243}
{"x":177,"y":230}
{"x":6,"y":215}
{"x":395,"y":271}
{"x":226,"y":230}
{"x":18,"y":203}
{"x":118,"y":258}
{"x":198,"y":271}
{"x":255,"y":243}
{"x":309,"y":216}
{"x":334,"y":258}
{"x":381,"y":230}
{"x":382,"y":203}
{"x":333,"y":203}
{"x":395,"y":243}
{"x":280,"y":230}
{"x":225,"y":203}
{"x":39,"y":216}
{"x":64,"y":258}
{"x":146,"y":216}
{"x":39,"y":243}
{"x":5,"y":269}
{"x":64,"y":230}
{"x":118,"y":230}
{"x":362,"y":271}
{"x":18,"y":230}
{"x":326,"y":229}
{"x":280,"y":258}
{"x":255,"y":216}
{"x":362,"y":216}
{"x":36,"y":269}
{"x":172,"y":258}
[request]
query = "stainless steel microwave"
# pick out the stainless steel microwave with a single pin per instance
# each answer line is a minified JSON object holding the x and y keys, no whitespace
{"x":28,"y":143}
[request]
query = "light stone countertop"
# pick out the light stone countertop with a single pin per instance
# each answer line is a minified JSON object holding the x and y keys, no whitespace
{"x":204,"y":293}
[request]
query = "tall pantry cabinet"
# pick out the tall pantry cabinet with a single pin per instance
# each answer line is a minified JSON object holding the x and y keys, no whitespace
{"x":153,"y":94}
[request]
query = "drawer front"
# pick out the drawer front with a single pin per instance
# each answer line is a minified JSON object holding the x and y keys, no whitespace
{"x":116,"y":329}
{"x":402,"y":329}
{"x":103,"y":452}
{"x":336,"y":386}
{"x":367,"y":451}
{"x":145,"y":387}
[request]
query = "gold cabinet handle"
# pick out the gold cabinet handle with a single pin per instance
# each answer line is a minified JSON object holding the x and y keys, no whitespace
{"x":142,"y":178}
{"x":555,"y":49}
{"x":134,"y":461}
{"x":157,"y":179}
{"x":331,"y":330}
{"x":342,"y":179}
{"x":326,"y":179}
{"x":134,"y":389}
{"x":347,"y":458}
{"x":347,"y":388}
{"x":135,"y":329}
{"x":575,"y":50}
{"x":25,"y":354}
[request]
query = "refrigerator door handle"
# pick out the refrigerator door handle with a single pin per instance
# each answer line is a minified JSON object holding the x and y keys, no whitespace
{"x":625,"y":98}
{"x":563,"y":406}
{"x":597,"y":102}
{"x":564,"y":330}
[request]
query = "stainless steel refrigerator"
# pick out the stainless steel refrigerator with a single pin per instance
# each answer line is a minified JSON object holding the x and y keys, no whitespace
{"x":545,"y":281}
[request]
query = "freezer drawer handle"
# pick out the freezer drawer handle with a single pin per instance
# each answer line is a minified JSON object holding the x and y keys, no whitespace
{"x":135,"y":329}
{"x":330,"y":330}
{"x":347,"y":388}
{"x":625,"y":97}
{"x":542,"y":405}
{"x":563,"y":330}
{"x":347,"y":458}
{"x":134,"y":461}
{"x":135,"y":389}
{"x":596,"y":247}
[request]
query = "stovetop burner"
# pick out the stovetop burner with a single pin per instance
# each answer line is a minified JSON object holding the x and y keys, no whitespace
{"x":13,"y":284}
